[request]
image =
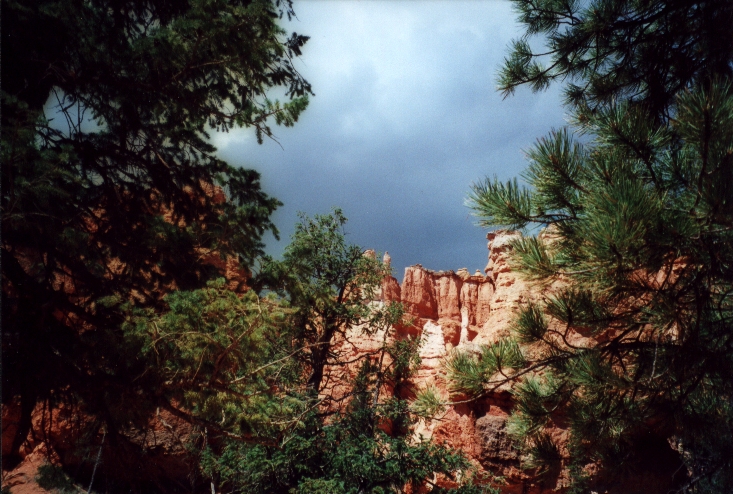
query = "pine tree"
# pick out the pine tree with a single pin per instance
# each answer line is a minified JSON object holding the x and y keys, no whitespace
{"x":241,"y":368}
{"x":633,"y":351}
{"x":642,"y":51}
{"x":112,"y":191}
{"x":638,"y":342}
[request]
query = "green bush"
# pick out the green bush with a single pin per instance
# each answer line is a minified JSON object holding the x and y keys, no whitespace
{"x":53,"y":478}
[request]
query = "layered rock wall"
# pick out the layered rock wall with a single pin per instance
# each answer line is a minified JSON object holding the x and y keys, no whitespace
{"x":459,"y":311}
{"x":448,"y":310}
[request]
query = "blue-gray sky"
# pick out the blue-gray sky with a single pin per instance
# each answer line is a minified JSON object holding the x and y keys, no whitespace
{"x":405,"y":117}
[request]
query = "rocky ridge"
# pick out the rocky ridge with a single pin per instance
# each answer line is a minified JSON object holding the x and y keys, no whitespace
{"x":459,"y":311}
{"x":456,"y":310}
{"x":449,"y":311}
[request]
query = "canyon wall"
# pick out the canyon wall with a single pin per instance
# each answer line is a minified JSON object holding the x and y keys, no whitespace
{"x":448,"y":310}
{"x":459,"y":311}
{"x":462,"y":311}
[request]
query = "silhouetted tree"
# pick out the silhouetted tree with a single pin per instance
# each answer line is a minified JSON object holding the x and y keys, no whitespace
{"x":111,"y":189}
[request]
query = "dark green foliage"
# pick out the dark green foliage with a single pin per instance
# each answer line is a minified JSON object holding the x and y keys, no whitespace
{"x":115,"y":213}
{"x":509,"y":204}
{"x":634,"y":348}
{"x":504,"y":354}
{"x":358,"y":439}
{"x":338,"y":459}
{"x":109,"y":177}
{"x":329,"y":284}
{"x":467,"y":374}
{"x":53,"y":478}
{"x":606,"y":50}
{"x":531,"y":324}
{"x":222,"y":361}
{"x":241,"y":367}
{"x":644,"y":242}
{"x":347,"y":453}
{"x":476,"y":375}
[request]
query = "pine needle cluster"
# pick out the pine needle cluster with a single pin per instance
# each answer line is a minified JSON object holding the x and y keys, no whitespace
{"x":630,"y":345}
{"x":637,"y":339}
{"x":606,"y":50}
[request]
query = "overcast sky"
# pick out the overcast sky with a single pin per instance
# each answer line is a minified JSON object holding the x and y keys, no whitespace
{"x":405,"y":117}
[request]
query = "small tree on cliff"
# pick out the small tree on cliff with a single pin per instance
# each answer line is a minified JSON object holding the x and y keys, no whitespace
{"x":114,"y":199}
{"x":270,"y":393}
{"x":330,"y":284}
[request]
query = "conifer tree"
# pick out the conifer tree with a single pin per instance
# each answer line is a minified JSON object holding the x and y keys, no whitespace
{"x":112,"y":191}
{"x":330,"y":284}
{"x":641,"y":51}
{"x":241,"y":368}
{"x":635,"y":347}
{"x":637,"y":343}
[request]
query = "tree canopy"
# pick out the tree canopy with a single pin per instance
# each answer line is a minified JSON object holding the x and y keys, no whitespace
{"x":281,"y":400}
{"x":641,"y":51}
{"x":118,"y":221}
{"x":636,"y":341}
{"x":112,"y":192}
{"x":632,"y":348}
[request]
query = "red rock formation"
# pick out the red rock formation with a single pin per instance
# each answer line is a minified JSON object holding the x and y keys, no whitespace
{"x":459,"y":302}
{"x":418,"y":294}
{"x":53,"y":439}
{"x":459,"y":310}
{"x":391,"y":290}
{"x":447,"y":288}
{"x":452,"y":310}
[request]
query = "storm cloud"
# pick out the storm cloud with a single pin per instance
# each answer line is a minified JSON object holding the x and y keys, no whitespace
{"x":405,"y":117}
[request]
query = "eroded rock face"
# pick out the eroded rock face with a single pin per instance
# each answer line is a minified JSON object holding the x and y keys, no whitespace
{"x":465,"y":310}
{"x":483,"y":305}
{"x":391,"y":290}
{"x":447,"y":290}
{"x":457,"y":301}
{"x":493,"y":439}
{"x":10,"y":424}
{"x":462,"y":311}
{"x":157,"y":453}
{"x":449,"y":310}
{"x":418,"y":293}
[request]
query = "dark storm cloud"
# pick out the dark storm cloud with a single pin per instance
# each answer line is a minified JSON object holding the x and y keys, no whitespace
{"x":405,"y":118}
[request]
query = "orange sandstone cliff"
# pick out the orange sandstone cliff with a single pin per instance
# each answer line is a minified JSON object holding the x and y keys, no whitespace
{"x":450,"y":310}
{"x":459,"y":310}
